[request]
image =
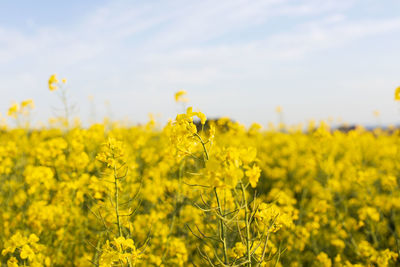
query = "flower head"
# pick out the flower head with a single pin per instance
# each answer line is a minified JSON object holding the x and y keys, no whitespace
{"x":253,"y":174}
{"x":13,"y":110}
{"x":111,"y":152}
{"x":179,"y":96}
{"x":52,"y":82}
{"x":397,"y":94}
{"x":27,"y":103}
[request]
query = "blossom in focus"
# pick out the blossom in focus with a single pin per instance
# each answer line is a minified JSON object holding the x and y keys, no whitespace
{"x":111,"y":152}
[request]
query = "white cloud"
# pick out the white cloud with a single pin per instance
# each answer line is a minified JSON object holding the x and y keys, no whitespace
{"x":130,"y":51}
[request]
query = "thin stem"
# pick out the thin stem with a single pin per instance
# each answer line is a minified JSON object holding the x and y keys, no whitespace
{"x":247,"y":225}
{"x":203,"y":144}
{"x":222,"y":228}
{"x":116,"y":201}
{"x":66,"y":108}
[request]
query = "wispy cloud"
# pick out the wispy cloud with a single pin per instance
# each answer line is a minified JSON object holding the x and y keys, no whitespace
{"x":137,"y":53}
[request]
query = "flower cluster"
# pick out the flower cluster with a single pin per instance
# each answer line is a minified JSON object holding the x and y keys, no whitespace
{"x":54,"y":83}
{"x":25,"y":250}
{"x":198,"y":192}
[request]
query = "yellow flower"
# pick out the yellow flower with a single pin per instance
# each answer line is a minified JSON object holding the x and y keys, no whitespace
{"x":397,"y":94}
{"x":12,"y":262}
{"x":323,"y":258}
{"x":27,"y":252}
{"x":13,"y":110}
{"x":111,"y":152}
{"x":179,"y":96}
{"x":239,"y":250}
{"x":33,"y":238}
{"x":27,"y":103}
{"x":202,"y":117}
{"x":123,"y":244}
{"x":52,"y":82}
{"x":253,"y":174}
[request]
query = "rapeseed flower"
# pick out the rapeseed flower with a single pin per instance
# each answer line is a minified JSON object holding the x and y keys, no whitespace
{"x":53,"y":82}
{"x":397,"y":94}
{"x":179,"y":96}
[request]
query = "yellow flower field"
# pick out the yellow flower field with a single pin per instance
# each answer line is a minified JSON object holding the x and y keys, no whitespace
{"x":196,"y":192}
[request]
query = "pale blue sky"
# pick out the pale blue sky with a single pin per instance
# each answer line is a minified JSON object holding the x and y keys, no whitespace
{"x":235,"y":58}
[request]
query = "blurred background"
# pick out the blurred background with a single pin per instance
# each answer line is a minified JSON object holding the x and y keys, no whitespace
{"x":316,"y":59}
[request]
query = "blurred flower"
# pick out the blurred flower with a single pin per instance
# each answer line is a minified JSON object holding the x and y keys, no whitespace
{"x":179,"y":96}
{"x":52,"y":81}
{"x":27,"y":103}
{"x":397,"y":94}
{"x":13,"y":110}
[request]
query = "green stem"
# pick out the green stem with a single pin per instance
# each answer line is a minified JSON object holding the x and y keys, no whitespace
{"x":222,"y":228}
{"x":247,"y":225}
{"x":204,"y":145}
{"x":116,"y":201}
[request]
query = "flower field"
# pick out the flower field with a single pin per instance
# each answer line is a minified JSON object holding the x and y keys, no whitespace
{"x":197,"y":192}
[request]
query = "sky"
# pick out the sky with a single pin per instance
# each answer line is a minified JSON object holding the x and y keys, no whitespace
{"x":316,"y":59}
